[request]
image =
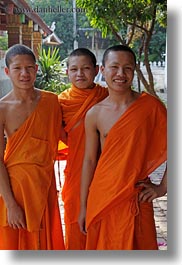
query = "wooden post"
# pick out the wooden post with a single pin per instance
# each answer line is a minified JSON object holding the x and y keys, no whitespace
{"x":14,"y":29}
{"x":37,"y":42}
{"x":27,"y":35}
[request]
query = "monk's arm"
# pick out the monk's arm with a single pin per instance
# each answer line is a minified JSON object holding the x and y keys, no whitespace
{"x":15,"y":214}
{"x":63,"y":135}
{"x":152,"y":191}
{"x":5,"y":189}
{"x":89,"y":164}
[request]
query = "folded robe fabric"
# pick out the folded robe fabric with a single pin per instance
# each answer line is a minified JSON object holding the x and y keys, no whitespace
{"x":135,"y":146}
{"x":29,"y":159}
{"x":75,"y":103}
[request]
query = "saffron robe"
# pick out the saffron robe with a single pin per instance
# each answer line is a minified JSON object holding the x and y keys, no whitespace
{"x":135,"y":146}
{"x":75,"y":103}
{"x":29,"y":159}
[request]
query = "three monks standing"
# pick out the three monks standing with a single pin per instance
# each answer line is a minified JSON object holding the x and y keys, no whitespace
{"x":116,"y":138}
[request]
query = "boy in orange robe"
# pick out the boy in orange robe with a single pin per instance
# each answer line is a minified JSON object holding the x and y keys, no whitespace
{"x":116,"y":193}
{"x":75,"y":102}
{"x":31,"y":120}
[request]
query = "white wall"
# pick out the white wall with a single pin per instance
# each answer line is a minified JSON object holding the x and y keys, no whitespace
{"x":159,"y":75}
{"x":5,"y":83}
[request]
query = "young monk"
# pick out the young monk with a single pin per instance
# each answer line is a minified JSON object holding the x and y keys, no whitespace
{"x":75,"y":102}
{"x":30,"y":119}
{"x":116,"y":193}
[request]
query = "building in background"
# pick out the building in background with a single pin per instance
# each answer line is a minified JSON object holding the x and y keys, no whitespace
{"x":22,"y":24}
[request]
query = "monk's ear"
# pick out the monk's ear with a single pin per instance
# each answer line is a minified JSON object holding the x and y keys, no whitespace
{"x":36,"y":67}
{"x":6,"y":70}
{"x":96,"y":69}
{"x":102,"y":69}
{"x":67,"y":71}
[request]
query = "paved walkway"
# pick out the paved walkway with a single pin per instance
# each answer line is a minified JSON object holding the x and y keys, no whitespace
{"x":160,"y":211}
{"x":160,"y":205}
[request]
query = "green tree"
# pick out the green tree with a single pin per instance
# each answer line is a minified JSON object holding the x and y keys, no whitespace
{"x":133,"y":23}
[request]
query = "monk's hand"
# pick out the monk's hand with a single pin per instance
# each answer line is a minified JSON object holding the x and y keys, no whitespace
{"x":81,"y":221}
{"x":16,"y":217}
{"x":150,"y":191}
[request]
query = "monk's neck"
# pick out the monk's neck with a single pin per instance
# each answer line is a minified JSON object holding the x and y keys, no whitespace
{"x":92,"y":86}
{"x":122,"y":99}
{"x":24,"y":95}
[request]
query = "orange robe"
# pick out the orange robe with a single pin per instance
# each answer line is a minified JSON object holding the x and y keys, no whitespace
{"x":29,"y":159}
{"x":75,"y":103}
{"x":135,"y":146}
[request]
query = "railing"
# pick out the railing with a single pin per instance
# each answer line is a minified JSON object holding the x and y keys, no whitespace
{"x":154,"y":64}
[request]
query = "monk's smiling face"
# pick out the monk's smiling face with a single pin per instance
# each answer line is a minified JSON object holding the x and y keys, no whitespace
{"x":81,"y":71}
{"x":119,"y":70}
{"x":22,"y":71}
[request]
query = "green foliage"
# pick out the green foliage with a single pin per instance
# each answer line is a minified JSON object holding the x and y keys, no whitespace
{"x":113,"y":15}
{"x":50,"y":76}
{"x":4,"y":42}
{"x":157,"y":47}
{"x":48,"y":61}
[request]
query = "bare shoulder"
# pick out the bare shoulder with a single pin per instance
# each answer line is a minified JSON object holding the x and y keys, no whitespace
{"x":4,"y":102}
{"x":93,"y":114}
{"x":95,"y":110}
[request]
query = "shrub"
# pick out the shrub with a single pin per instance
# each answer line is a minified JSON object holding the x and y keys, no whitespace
{"x":51,"y":75}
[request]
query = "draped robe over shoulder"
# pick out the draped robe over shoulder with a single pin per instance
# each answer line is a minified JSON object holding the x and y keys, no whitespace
{"x":75,"y":103}
{"x":135,"y":146}
{"x":29,"y":159}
